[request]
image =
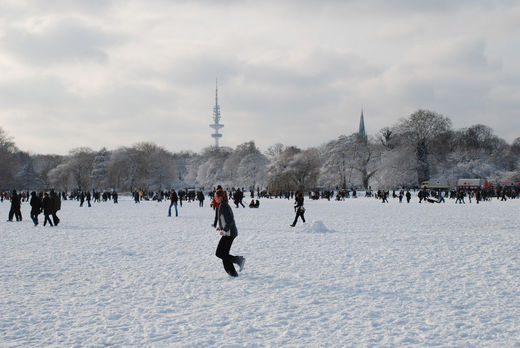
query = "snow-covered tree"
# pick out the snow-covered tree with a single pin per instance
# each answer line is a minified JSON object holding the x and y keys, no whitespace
{"x":209,"y":167}
{"x":43,"y":164}
{"x":337,"y":165}
{"x":421,"y":129}
{"x":81,"y":166}
{"x":156,"y":167}
{"x":7,"y":161}
{"x":182,"y":161}
{"x":278,"y":175}
{"x":350,"y":161}
{"x":144,"y":166}
{"x":304,"y":169}
{"x":252,"y":171}
{"x":397,"y":168}
{"x":122,"y":169}
{"x":77,"y":166}
{"x":245,"y":166}
{"x":60,"y":177}
{"x":99,"y":174}
{"x":367,"y":161}
{"x":292,"y":169}
{"x":515,"y":147}
{"x":26,"y":176}
{"x":475,"y":152}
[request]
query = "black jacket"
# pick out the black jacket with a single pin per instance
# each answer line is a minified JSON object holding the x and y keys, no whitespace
{"x":36,"y":204}
{"x":226,"y":220}
{"x":15,"y":200}
{"x":55,"y":202}
{"x":47,"y":205}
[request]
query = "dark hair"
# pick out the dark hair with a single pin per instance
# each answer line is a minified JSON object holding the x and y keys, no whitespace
{"x":223,"y":194}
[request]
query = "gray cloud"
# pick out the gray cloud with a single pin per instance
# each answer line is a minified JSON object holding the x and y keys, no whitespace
{"x":297,"y":72}
{"x":62,"y":42}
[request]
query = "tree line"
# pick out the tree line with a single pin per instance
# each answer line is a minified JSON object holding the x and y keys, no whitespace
{"x":420,"y":147}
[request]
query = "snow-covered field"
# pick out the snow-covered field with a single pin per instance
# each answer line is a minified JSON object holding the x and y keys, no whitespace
{"x":359,"y":273}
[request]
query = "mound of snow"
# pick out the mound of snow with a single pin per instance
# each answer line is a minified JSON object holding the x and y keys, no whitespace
{"x":316,"y":227}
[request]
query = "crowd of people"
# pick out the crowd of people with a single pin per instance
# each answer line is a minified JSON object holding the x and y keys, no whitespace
{"x":224,"y":222}
{"x":472,"y":194}
{"x":43,"y":202}
{"x":50,"y":203}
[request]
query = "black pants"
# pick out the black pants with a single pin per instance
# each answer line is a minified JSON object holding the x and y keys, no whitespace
{"x":56,"y":219}
{"x":34,"y":217}
{"x":47,"y":218}
{"x":299,"y":213}
{"x":223,"y":253}
{"x":16,"y":212}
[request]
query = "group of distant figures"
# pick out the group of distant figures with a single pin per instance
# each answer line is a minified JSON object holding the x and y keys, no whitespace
{"x":48,"y":204}
{"x":96,"y":196}
{"x":478,"y":195}
{"x":159,"y":196}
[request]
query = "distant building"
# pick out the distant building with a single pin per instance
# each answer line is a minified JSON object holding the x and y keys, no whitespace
{"x":216,"y":118}
{"x":362,"y":132}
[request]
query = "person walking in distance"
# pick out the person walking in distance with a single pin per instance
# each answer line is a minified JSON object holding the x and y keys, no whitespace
{"x":228,"y":231}
{"x":15,"y":207}
{"x":36,"y":207}
{"x":298,"y":208}
{"x":89,"y":197}
{"x":47,"y":208}
{"x":173,"y":202}
{"x":200,"y":198}
{"x":56,"y":205}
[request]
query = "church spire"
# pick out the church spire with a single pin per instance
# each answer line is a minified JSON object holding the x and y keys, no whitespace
{"x":362,"y":132}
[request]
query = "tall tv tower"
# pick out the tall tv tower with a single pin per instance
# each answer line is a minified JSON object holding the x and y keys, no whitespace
{"x":216,"y":118}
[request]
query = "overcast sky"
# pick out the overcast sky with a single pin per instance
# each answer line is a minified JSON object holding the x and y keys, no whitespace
{"x":112,"y":73}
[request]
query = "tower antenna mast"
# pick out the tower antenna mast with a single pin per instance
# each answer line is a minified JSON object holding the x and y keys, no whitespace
{"x":216,"y":118}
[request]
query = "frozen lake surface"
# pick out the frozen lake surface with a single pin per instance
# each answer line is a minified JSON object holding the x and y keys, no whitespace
{"x":359,"y":273}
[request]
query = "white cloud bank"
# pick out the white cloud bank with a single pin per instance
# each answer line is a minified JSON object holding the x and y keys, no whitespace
{"x":97,"y":73}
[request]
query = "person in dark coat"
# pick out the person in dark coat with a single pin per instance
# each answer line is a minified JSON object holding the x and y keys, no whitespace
{"x":238,"y":196}
{"x":15,"y":207}
{"x":114,"y":197}
{"x":36,"y":207}
{"x":55,"y":205}
{"x":228,"y":231}
{"x":384,"y":196}
{"x":298,"y":208}
{"x":200,"y":197}
{"x":173,"y":202}
{"x":47,"y":208}
{"x":88,"y":197}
